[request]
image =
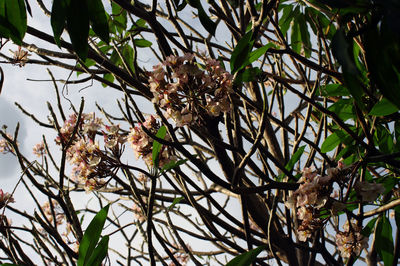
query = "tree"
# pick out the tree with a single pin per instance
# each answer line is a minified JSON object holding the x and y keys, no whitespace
{"x":284,"y":108}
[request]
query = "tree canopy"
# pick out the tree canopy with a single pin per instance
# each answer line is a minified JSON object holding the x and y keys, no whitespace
{"x":262,"y":132}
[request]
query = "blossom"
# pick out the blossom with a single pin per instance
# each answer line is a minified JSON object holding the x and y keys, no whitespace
{"x":142,"y":144}
{"x":190,"y":90}
{"x":137,"y":212}
{"x":5,"y":198}
{"x":53,"y":208}
{"x":39,"y":149}
{"x":5,"y":146}
{"x":309,"y":223}
{"x":368,"y":191}
{"x":20,"y":57}
{"x":351,"y":241}
{"x":180,"y":256}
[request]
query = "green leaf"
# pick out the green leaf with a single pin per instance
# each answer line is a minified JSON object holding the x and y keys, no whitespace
{"x":259,"y":52}
{"x":384,"y":240}
{"x":176,"y":201}
{"x":172,"y":165}
{"x":383,"y":107}
{"x":295,"y":158}
{"x":305,"y":35}
{"x":98,"y":19}
{"x":247,"y":258}
{"x":344,"y":109}
{"x":342,"y":50}
{"x":92,"y":236}
{"x":247,"y":75}
{"x":286,"y":18}
{"x":9,"y":264}
{"x":205,"y":20}
{"x":58,"y":16}
{"x":109,"y":77}
{"x":397,"y":215}
{"x":142,"y":43}
{"x":119,"y":17}
{"x":128,"y":54}
{"x":78,"y":27}
{"x":369,"y":228}
{"x":240,"y":55}
{"x":383,"y":139}
{"x":157,"y":146}
{"x":15,"y":16}
{"x":99,"y":253}
{"x":295,"y":38}
{"x":334,"y":90}
{"x":331,"y":142}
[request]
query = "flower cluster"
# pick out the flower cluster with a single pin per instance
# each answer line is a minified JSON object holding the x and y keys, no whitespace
{"x":191,"y":89}
{"x":142,"y":143}
{"x":89,"y":125}
{"x":180,"y":256}
{"x":90,"y":163}
{"x":351,"y":241}
{"x":20,"y":57}
{"x":5,"y":198}
{"x":312,"y":190}
{"x":312,"y":195}
{"x":39,"y":149}
{"x":137,"y":212}
{"x":53,"y":208}
{"x":6,"y":147}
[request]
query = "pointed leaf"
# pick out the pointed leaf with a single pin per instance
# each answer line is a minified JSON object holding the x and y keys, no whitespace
{"x":383,"y":107}
{"x":205,"y":20}
{"x":157,"y":146}
{"x":259,"y":52}
{"x":295,"y":38}
{"x":98,"y":19}
{"x":172,"y":165}
{"x":78,"y":27}
{"x":92,"y":236}
{"x":247,"y":258}
{"x":99,"y":253}
{"x":331,"y":142}
{"x":240,"y":55}
{"x":142,"y":43}
{"x":247,"y":75}
{"x":295,"y":158}
{"x":176,"y":201}
{"x":384,"y":240}
{"x":15,"y":15}
{"x":342,"y":50}
{"x":58,"y":16}
{"x":369,"y":228}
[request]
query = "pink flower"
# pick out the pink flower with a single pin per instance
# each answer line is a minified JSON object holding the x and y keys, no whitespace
{"x":5,"y":198}
{"x":39,"y":149}
{"x":187,"y":85}
{"x":6,"y":147}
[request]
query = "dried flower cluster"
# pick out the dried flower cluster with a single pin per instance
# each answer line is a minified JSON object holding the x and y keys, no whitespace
{"x":314,"y":193}
{"x":311,"y":195}
{"x":142,"y":143}
{"x":191,"y":89}
{"x":351,"y":241}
